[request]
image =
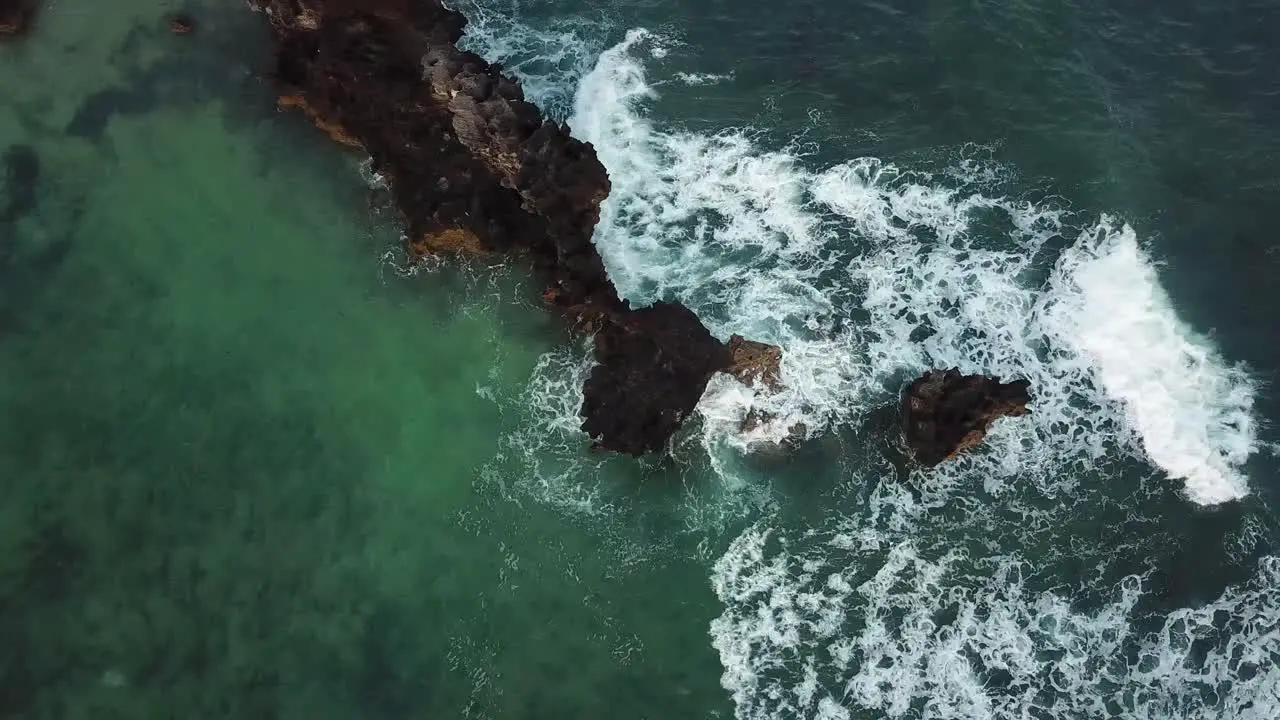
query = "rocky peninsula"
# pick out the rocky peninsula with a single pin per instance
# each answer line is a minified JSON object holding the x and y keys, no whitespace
{"x":472,"y":166}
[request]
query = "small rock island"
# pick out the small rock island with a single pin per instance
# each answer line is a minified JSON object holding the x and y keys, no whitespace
{"x":946,"y":413}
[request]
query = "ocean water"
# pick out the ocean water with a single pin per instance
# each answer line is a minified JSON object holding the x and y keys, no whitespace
{"x":257,"y":467}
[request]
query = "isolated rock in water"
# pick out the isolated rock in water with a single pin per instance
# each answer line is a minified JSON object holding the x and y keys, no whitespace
{"x":654,"y":366}
{"x":946,"y":413}
{"x":755,"y":361}
{"x":15,"y":16}
{"x":473,"y":167}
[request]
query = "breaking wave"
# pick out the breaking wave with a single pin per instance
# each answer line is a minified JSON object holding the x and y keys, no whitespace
{"x":866,"y":273}
{"x":1192,"y":411}
{"x":920,"y":604}
{"x":548,"y":58}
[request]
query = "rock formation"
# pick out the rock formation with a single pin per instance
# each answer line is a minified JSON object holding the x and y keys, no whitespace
{"x":676,"y":354}
{"x":755,"y":361}
{"x":181,"y":24}
{"x":946,"y":413}
{"x":472,"y":166}
{"x":15,"y":16}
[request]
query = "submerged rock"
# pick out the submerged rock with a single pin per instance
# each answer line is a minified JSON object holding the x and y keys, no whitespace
{"x":21,"y":174}
{"x":15,"y":16}
{"x":946,"y":413}
{"x":181,"y":24}
{"x":473,"y":167}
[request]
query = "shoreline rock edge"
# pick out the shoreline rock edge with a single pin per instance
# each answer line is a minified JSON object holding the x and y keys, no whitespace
{"x":472,"y":166}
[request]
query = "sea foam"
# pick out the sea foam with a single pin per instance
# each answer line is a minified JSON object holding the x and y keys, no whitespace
{"x":950,"y":275}
{"x":1192,"y":410}
{"x":866,"y":273}
{"x":905,"y":632}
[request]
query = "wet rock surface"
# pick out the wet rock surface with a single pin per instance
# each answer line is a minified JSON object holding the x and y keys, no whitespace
{"x":654,"y":365}
{"x":473,"y":167}
{"x":946,"y":413}
{"x":15,"y":16}
{"x":754,"y":362}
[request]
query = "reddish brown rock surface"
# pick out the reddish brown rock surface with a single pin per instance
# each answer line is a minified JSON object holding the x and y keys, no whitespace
{"x":946,"y":413}
{"x":754,"y":362}
{"x":472,"y":166}
{"x":15,"y":16}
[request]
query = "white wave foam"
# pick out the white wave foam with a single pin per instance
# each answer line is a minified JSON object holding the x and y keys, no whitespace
{"x":1192,"y":411}
{"x":903,"y":635}
{"x":548,"y":55}
{"x":949,"y":275}
{"x":548,"y":448}
{"x":865,"y":274}
{"x":702,"y":78}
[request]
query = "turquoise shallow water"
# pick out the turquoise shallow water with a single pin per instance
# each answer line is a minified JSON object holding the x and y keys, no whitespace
{"x":254,"y":469}
{"x":243,"y":453}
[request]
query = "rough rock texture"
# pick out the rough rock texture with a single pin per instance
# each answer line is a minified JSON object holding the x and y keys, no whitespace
{"x":15,"y":16}
{"x":678,"y":353}
{"x":473,"y":167}
{"x":946,"y":413}
{"x":755,"y":361}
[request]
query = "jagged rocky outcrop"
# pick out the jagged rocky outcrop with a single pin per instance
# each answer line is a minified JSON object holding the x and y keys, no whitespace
{"x":946,"y":413}
{"x":16,"y":15}
{"x":472,"y":166}
{"x":678,"y":354}
{"x":753,"y":362}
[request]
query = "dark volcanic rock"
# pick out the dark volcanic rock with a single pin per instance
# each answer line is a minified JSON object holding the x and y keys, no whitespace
{"x":15,"y":16}
{"x":654,"y":364}
{"x":946,"y":413}
{"x":472,"y":166}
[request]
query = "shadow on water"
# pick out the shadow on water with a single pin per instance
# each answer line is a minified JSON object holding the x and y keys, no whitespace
{"x":222,"y":60}
{"x":21,"y":173}
{"x":25,"y":261}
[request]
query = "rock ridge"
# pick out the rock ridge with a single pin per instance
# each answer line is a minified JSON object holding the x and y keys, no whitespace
{"x":946,"y":413}
{"x":473,"y":166}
